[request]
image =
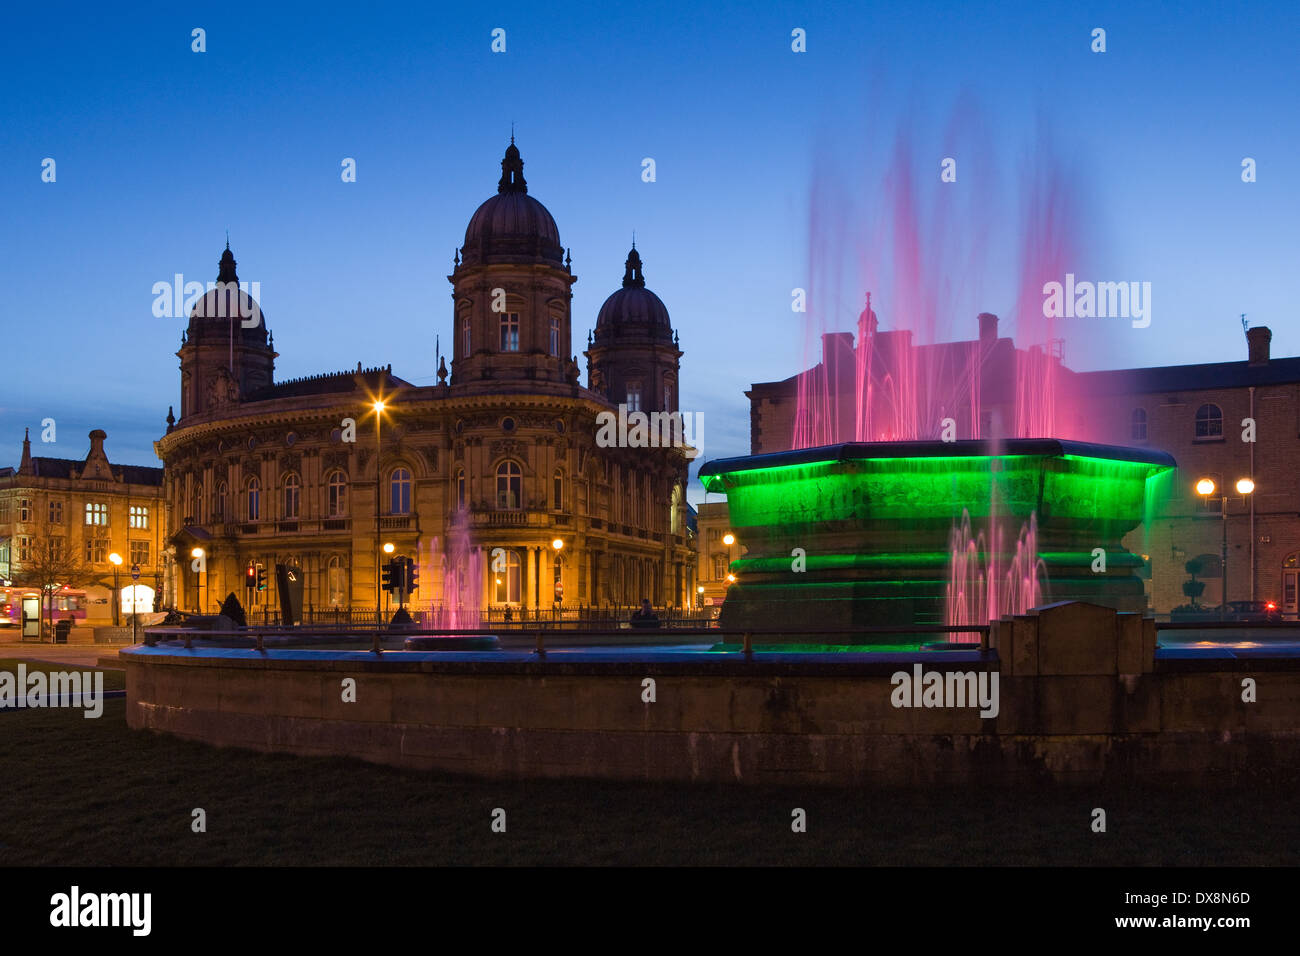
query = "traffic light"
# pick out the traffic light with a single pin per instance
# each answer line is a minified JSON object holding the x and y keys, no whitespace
{"x":411,"y":572}
{"x":250,"y":577}
{"x":388,"y":574}
{"x":261,"y":578}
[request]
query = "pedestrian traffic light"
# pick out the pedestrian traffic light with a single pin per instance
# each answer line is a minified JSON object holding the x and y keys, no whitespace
{"x":250,"y":577}
{"x":411,"y":572}
{"x":261,"y":578}
{"x":388,"y":575}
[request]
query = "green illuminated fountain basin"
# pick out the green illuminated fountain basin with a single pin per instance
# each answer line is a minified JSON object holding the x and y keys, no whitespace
{"x":874,"y":521}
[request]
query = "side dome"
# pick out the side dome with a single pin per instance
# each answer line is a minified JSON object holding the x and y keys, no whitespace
{"x":216,"y":309}
{"x":512,"y":226}
{"x":634,"y":309}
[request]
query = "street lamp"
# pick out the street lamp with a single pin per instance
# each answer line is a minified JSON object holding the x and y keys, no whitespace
{"x":558,"y":593}
{"x":699,"y":597}
{"x":198,"y":553}
{"x":116,"y":560}
{"x":1206,"y":487}
{"x":728,"y":539}
{"x":388,"y":547}
{"x":378,"y":405}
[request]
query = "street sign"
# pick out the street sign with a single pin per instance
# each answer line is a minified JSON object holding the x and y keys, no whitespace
{"x":135,"y":572}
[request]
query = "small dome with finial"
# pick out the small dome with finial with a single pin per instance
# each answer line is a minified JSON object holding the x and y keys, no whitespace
{"x":634,"y":307}
{"x":226,"y":306}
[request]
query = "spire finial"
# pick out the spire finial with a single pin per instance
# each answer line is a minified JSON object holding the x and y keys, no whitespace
{"x":633,"y":238}
{"x":227,"y":239}
{"x":512,"y":132}
{"x":512,"y":171}
{"x":632,"y":275}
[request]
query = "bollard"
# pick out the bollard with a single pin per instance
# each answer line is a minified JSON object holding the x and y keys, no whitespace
{"x":541,"y":647}
{"x":749,"y":646}
{"x":260,"y":645}
{"x":374,"y":645}
{"x":188,"y":641}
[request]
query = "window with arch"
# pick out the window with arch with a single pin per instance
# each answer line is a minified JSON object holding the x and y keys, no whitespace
{"x":220,"y":501}
{"x":555,"y":335}
{"x":1137,"y":425}
{"x":460,"y":489}
{"x":510,"y":480}
{"x":510,"y":332}
{"x":399,"y":487}
{"x":507,"y":579}
{"x":253,"y":499}
{"x":1209,"y":421}
{"x":336,"y":503}
{"x":292,"y":496}
{"x":336,"y":582}
{"x":557,"y":490}
{"x":464,"y":337}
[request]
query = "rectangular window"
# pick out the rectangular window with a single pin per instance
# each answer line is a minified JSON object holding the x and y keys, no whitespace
{"x":668,"y":398}
{"x":24,"y":509}
{"x":56,"y":512}
{"x":24,"y":549}
{"x":55,"y":548}
{"x":96,"y":514}
{"x":510,"y":332}
{"x":140,"y":552}
{"x":555,"y":336}
{"x":634,"y":396}
{"x":140,"y":515}
{"x":96,"y":550}
{"x":4,"y":510}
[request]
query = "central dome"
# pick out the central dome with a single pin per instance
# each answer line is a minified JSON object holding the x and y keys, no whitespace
{"x":512,"y":226}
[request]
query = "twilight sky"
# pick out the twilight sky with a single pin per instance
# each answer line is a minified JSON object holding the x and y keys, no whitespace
{"x":774,"y":170}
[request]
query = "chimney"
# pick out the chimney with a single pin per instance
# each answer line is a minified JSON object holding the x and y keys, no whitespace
{"x":1257,"y":340}
{"x":988,"y":328}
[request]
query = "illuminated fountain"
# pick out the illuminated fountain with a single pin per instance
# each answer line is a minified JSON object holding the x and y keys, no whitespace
{"x":862,"y":534}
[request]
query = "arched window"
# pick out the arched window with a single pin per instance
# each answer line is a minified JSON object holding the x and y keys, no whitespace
{"x":555,"y":335}
{"x":509,"y":486}
{"x":399,"y":486}
{"x":292,"y":489}
{"x":337,"y":503}
{"x":509,"y":331}
{"x":254,"y":499}
{"x":557,"y":489}
{"x":460,"y":489}
{"x":1209,"y":422}
{"x":506,"y":579}
{"x":220,"y":501}
{"x":1137,"y":430}
{"x":336,"y":582}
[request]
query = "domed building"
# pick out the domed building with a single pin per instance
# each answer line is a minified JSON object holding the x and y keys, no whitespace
{"x":492,"y":481}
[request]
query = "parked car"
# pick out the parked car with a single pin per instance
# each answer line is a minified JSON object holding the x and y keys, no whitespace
{"x":1259,"y":612}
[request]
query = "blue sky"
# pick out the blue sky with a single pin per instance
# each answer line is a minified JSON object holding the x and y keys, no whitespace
{"x":773,"y":172}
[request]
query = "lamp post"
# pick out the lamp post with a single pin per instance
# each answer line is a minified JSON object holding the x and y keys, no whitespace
{"x":378,"y":406}
{"x":699,"y":597}
{"x":388,"y":549}
{"x":203,"y":572}
{"x":1206,"y":487}
{"x":116,"y":560}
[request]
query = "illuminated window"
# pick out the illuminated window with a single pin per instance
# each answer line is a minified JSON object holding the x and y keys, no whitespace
{"x":140,"y":513}
{"x":674,"y":520}
{"x":96,"y":550}
{"x":337,"y":505}
{"x":292,"y":488}
{"x":24,"y":509}
{"x":254,"y":499}
{"x":1209,"y":422}
{"x":506,"y":579}
{"x":56,"y":512}
{"x":96,"y":514}
{"x":24,"y":549}
{"x":510,"y":332}
{"x":336,"y":582}
{"x":509,"y":485}
{"x":399,"y":486}
{"x":634,"y":396}
{"x":140,"y":552}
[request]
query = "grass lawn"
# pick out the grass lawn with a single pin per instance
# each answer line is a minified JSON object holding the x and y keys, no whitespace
{"x":91,"y":792}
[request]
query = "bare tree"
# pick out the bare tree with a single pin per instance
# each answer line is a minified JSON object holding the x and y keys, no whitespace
{"x":49,"y":562}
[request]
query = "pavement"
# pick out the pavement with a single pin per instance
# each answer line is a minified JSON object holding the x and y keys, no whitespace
{"x":77,"y":655}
